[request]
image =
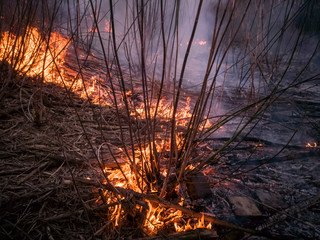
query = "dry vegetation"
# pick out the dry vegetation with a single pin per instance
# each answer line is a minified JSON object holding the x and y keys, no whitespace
{"x":42,"y":162}
{"x":99,"y":136}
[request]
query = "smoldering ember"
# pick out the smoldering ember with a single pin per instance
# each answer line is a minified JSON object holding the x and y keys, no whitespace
{"x":159,"y":119}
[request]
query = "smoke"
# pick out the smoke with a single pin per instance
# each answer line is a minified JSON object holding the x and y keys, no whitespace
{"x":254,"y":40}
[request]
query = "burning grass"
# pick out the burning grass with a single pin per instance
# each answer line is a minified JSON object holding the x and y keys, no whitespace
{"x":41,"y":176}
{"x":136,"y":140}
{"x":34,"y":55}
{"x":38,"y":59}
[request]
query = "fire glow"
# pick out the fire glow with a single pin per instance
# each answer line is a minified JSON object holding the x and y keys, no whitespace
{"x":107,"y":27}
{"x":198,"y":42}
{"x":31,"y":55}
{"x":156,"y":216}
{"x":310,"y":145}
{"x":37,"y":57}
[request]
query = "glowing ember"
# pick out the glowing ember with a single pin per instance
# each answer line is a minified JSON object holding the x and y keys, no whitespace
{"x":91,"y":30}
{"x":310,"y":145}
{"x":197,"y":42}
{"x":108,"y":27}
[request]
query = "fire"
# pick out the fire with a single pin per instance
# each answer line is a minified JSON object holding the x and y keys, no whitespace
{"x":310,"y":145}
{"x":165,"y":111}
{"x":108,"y":27}
{"x":92,"y":30}
{"x":38,"y":58}
{"x":156,"y":215}
{"x":35,"y":56}
{"x":198,"y":42}
{"x":188,"y":226}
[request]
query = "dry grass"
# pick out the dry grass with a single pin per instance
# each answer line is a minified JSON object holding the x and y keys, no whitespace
{"x":55,"y":145}
{"x":42,"y":164}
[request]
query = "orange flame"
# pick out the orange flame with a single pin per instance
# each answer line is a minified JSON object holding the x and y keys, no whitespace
{"x":165,"y":111}
{"x":188,"y":226}
{"x":33,"y":55}
{"x":312,"y":146}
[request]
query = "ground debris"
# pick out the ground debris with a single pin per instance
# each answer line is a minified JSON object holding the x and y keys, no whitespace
{"x":198,"y":187}
{"x":271,"y":199}
{"x":290,"y":212}
{"x":189,"y":235}
{"x":244,"y":206}
{"x":36,"y":201}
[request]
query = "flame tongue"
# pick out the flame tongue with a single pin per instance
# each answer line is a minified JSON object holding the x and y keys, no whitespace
{"x":34,"y":56}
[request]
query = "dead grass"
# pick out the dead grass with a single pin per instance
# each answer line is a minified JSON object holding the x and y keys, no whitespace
{"x":41,"y":192}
